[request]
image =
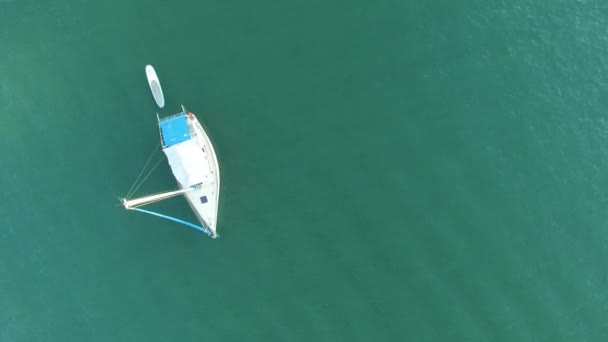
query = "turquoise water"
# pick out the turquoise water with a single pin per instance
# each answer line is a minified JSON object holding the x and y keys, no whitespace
{"x":391,"y":171}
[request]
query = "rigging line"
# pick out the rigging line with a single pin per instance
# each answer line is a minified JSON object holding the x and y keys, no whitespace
{"x":191,"y":225}
{"x":148,"y":175}
{"x":131,"y":191}
{"x":141,"y":173}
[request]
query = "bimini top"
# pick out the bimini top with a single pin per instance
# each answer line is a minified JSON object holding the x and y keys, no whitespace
{"x":174,"y":130}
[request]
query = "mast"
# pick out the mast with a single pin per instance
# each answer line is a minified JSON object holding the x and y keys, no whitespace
{"x":136,"y":202}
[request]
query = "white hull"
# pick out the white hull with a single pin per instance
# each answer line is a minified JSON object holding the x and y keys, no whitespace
{"x":205,"y":212}
{"x":154,"y":84}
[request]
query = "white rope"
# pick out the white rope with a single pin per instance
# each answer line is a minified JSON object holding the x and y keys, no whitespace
{"x":131,"y":191}
{"x":148,"y":175}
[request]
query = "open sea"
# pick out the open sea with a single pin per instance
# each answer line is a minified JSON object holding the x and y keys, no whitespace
{"x":392,"y":170}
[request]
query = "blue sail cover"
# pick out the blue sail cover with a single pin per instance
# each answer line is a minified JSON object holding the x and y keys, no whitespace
{"x":174,"y":130}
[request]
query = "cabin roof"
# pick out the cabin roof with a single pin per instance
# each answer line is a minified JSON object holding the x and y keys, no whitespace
{"x":174,"y":130}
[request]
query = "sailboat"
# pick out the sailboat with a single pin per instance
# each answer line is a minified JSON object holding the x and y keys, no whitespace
{"x":194,"y":164}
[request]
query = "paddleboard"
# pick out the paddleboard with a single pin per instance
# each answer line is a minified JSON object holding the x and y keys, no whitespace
{"x":154,"y":83}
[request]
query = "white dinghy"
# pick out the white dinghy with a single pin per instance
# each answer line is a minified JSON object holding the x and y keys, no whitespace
{"x":154,"y":84}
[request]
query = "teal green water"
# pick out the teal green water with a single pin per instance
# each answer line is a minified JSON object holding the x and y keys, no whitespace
{"x":391,"y":171}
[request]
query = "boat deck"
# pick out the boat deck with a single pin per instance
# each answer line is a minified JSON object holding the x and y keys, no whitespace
{"x":205,"y":200}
